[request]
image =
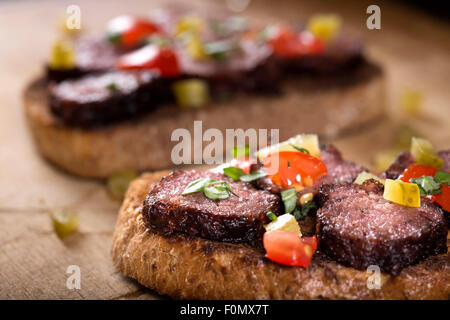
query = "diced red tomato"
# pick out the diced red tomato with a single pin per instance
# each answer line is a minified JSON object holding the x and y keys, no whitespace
{"x":244,"y":164}
{"x":130,"y":31}
{"x":289,"y":248}
{"x":289,"y":44}
{"x":420,"y":170}
{"x":312,"y":241}
{"x":443,"y":198}
{"x":294,"y":168}
{"x":417,"y":170}
{"x":151,"y":57}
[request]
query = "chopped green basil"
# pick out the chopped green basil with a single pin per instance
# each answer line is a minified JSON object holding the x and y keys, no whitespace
{"x":112,"y":86}
{"x":303,"y":211}
{"x":289,"y":197}
{"x":114,"y":38}
{"x":197,"y":185}
{"x":234,"y":173}
{"x":240,"y":151}
{"x":271,"y":215}
{"x":427,"y":185}
{"x":217,"y":192}
{"x":300,"y":149}
{"x":219,"y":50}
{"x":255,"y":175}
{"x":442,"y":177}
{"x":212,"y":189}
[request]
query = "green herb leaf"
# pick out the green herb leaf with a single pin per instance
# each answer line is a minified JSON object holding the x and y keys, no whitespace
{"x":271,"y":215}
{"x":212,"y":189}
{"x":114,"y":38}
{"x":216,"y":192}
{"x":255,"y":175}
{"x":301,"y":213}
{"x":229,"y":189}
{"x":298,"y":214}
{"x":240,"y":151}
{"x":197,"y":185}
{"x":300,"y":149}
{"x":427,"y":185}
{"x":112,"y":86}
{"x":442,"y":177}
{"x":234,"y":173}
{"x":289,"y":197}
{"x":220,"y":49}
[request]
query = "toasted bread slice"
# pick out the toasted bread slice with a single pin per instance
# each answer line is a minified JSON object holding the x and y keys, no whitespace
{"x":195,"y":268}
{"x":326,"y":106}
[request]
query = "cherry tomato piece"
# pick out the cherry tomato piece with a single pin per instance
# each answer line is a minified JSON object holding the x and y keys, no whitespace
{"x":127,"y":31}
{"x":420,"y":170}
{"x":443,"y":198}
{"x":294,"y":168}
{"x":289,"y":44}
{"x":417,"y":170}
{"x":312,"y":241}
{"x":289,"y":248}
{"x":151,"y":57}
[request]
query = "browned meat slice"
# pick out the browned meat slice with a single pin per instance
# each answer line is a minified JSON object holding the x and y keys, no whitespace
{"x":100,"y":99}
{"x":248,"y":67}
{"x":358,"y":227}
{"x":405,"y":158}
{"x":342,"y":54}
{"x":402,"y":162}
{"x":339,"y":171}
{"x":235,"y":219}
{"x":92,"y":55}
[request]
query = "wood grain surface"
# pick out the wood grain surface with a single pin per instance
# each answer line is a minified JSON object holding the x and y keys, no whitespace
{"x":413,"y":48}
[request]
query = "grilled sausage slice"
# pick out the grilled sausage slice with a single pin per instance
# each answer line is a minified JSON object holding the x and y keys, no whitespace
{"x":100,"y":99}
{"x":235,"y":219}
{"x":92,"y":55}
{"x":358,"y":228}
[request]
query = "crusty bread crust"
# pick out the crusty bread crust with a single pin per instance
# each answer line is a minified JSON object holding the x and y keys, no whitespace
{"x":195,"y":268}
{"x":325,"y":106}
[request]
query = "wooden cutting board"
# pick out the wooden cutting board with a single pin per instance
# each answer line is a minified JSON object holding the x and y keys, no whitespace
{"x":33,"y":261}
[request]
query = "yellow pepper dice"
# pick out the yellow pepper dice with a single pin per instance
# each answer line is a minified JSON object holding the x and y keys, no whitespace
{"x":285,"y":222}
{"x":309,"y":142}
{"x":191,"y":93}
{"x":189,"y":23}
{"x":196,"y":48}
{"x":62,"y":56}
{"x":324,"y":26}
{"x":64,"y":222}
{"x":403,"y":193}
{"x":411,"y":102}
{"x":424,"y":153}
{"x":364,"y":176}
